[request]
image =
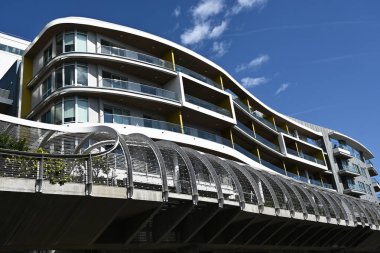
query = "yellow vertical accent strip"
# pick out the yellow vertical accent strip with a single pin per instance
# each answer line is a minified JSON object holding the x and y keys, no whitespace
{"x":180,"y":121}
{"x":298,"y":151}
{"x":232,"y":138}
{"x":287,"y":129}
{"x":283,"y":164}
{"x":298,"y":172}
{"x":274,"y":122}
{"x":254,"y":130}
{"x":26,"y":95}
{"x":221,"y":81}
{"x":249,"y":106}
{"x":173,"y":58}
{"x":258,"y":154}
{"x":320,"y":175}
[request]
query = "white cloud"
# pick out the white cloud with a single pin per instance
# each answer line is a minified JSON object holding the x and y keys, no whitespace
{"x":250,"y":82}
{"x":220,"y":48}
{"x":206,"y":9}
{"x":247,"y":4}
{"x":177,"y":11}
{"x":195,"y":34}
{"x":218,"y":30}
{"x":282,"y":88}
{"x":254,"y":63}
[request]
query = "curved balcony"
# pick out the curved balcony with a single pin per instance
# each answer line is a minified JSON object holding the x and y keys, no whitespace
{"x":140,"y":88}
{"x":197,"y":76}
{"x":349,"y":169}
{"x":305,"y":156}
{"x":259,"y":119}
{"x":124,"y":53}
{"x":257,"y":137}
{"x":353,"y":189}
{"x":207,"y":105}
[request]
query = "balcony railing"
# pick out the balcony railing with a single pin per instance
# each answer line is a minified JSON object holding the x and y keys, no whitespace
{"x":246,"y":152}
{"x":206,"y":135}
{"x":354,"y":187}
{"x":135,"y":121}
{"x":140,"y":88}
{"x":273,"y":167}
{"x":197,"y":76}
{"x":136,"y":56}
{"x":207,"y":105}
{"x":257,"y":136}
{"x":350,"y":168}
{"x":261,"y":119}
{"x":305,"y":156}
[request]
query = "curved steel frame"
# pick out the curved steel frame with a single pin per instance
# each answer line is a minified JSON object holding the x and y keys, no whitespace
{"x":211,"y":170}
{"x":189,"y":165}
{"x":227,"y":168}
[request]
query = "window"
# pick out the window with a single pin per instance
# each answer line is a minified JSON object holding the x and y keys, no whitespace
{"x":81,"y":42}
{"x":46,"y":117}
{"x":58,"y":113}
{"x":59,"y":44}
{"x":82,"y":75}
{"x":48,"y":54}
{"x":58,"y":78}
{"x":69,"y":75}
{"x":46,"y":87}
{"x":69,"y":110}
{"x":71,"y":41}
{"x":82,"y":110}
{"x":368,"y":188}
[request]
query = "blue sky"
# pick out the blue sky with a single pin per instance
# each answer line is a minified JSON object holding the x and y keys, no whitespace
{"x":315,"y":60}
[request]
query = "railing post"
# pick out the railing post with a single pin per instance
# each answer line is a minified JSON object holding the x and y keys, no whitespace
{"x":40,"y":176}
{"x":88,"y":187}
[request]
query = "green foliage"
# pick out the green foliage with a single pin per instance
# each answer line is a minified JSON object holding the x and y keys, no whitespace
{"x":9,"y":142}
{"x":54,"y":169}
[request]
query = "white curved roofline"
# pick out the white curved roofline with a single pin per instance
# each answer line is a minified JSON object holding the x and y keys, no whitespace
{"x":349,"y":139}
{"x":122,"y":28}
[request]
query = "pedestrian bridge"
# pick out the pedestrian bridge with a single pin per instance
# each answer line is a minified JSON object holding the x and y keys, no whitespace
{"x":92,"y":187}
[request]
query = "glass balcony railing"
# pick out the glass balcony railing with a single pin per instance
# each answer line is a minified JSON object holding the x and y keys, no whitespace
{"x":354,"y":187}
{"x":136,"y":56}
{"x":349,"y":168}
{"x":197,"y":76}
{"x":273,"y":167}
{"x":246,"y":152}
{"x":305,"y":156}
{"x":140,"y":88}
{"x":207,"y":136}
{"x":257,"y":136}
{"x":135,"y":121}
{"x":207,"y":105}
{"x":261,"y":119}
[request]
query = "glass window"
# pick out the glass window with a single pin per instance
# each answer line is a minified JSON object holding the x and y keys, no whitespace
{"x":81,"y":42}
{"x":46,"y":117}
{"x":108,"y":115}
{"x":46,"y":87}
{"x":69,"y":42}
{"x":82,"y":110}
{"x":48,"y":54}
{"x":59,"y":44}
{"x":82,"y":75}
{"x":69,"y":110}
{"x":58,"y":113}
{"x":58,"y":78}
{"x":69,"y":75}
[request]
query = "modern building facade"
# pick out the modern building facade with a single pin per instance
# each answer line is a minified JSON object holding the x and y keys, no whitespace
{"x":81,"y":72}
